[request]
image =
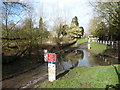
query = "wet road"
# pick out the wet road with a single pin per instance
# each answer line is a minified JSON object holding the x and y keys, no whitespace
{"x":30,"y":78}
{"x":27,"y":79}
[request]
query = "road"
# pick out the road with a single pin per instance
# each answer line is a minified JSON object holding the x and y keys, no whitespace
{"x":29,"y":79}
{"x":26,"y":79}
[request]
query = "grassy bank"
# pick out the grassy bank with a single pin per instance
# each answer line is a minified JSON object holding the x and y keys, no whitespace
{"x":86,"y":77}
{"x":102,"y":49}
{"x":97,"y":48}
{"x":79,"y":41}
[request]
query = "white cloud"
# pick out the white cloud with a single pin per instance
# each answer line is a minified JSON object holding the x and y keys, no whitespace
{"x":23,"y":1}
{"x":64,"y":8}
{"x":50,"y":1}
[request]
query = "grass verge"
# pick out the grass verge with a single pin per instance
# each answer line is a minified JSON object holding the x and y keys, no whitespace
{"x":86,"y":77}
{"x":79,"y":41}
{"x":97,"y":48}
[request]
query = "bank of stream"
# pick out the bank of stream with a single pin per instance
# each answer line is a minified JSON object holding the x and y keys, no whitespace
{"x":68,"y":58}
{"x":95,"y":71}
{"x":82,"y":57}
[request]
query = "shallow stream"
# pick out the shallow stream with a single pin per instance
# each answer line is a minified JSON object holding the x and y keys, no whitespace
{"x":81,"y":57}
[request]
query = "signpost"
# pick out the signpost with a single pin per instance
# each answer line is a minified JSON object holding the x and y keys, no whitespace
{"x":51,"y":57}
{"x":51,"y":72}
{"x":51,"y":66}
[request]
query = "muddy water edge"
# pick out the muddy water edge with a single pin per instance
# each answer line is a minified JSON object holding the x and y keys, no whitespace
{"x":66,"y":58}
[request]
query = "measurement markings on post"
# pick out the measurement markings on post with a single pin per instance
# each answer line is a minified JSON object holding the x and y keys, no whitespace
{"x":51,"y":67}
{"x":51,"y":72}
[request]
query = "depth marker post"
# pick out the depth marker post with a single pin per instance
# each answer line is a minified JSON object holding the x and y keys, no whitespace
{"x":89,"y":43}
{"x":51,"y":67}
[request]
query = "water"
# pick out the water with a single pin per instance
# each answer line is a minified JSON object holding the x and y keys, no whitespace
{"x":85,"y":60}
{"x":66,"y":60}
{"x":81,"y":57}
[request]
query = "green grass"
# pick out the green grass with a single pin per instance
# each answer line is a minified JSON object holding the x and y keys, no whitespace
{"x":97,"y":48}
{"x":81,"y":41}
{"x":85,"y":77}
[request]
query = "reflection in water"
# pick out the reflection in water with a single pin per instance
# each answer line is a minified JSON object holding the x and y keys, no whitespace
{"x":67,"y":64}
{"x":70,"y":59}
{"x":74,"y":56}
{"x":81,"y":57}
{"x":84,"y":61}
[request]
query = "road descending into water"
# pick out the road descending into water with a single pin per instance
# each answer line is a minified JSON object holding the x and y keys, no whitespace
{"x":30,"y":78}
{"x":38,"y":75}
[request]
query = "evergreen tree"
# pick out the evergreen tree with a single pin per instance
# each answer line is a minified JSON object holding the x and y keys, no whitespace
{"x":41,"y":24}
{"x":82,"y":30}
{"x":75,"y":21}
